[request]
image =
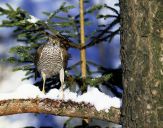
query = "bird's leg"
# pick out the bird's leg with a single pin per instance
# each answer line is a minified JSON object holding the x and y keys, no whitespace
{"x":44,"y":80}
{"x":61,"y":77}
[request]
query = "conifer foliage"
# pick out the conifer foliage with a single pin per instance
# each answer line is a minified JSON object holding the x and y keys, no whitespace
{"x":34,"y":32}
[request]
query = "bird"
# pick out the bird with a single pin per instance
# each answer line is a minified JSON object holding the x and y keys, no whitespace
{"x":51,"y":59}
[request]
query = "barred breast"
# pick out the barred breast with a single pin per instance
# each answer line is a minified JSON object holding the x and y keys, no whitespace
{"x":50,"y":61}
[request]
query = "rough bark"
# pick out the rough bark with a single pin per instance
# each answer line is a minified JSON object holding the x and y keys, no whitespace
{"x":142,"y":63}
{"x":57,"y":107}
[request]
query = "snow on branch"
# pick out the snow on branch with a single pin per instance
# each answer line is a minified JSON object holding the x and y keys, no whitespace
{"x":32,"y":19}
{"x":93,"y":96}
{"x":28,"y":98}
{"x":57,"y":107}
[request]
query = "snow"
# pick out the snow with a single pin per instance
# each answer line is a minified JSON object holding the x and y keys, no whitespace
{"x":32,"y":19}
{"x":100,"y":100}
{"x":93,"y":96}
{"x":10,"y":80}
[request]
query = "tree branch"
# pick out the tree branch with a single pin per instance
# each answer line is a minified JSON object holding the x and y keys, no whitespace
{"x":57,"y":107}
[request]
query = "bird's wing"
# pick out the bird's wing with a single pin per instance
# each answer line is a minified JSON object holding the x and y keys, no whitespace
{"x":39,"y":53}
{"x":37,"y":57}
{"x":65,"y":57}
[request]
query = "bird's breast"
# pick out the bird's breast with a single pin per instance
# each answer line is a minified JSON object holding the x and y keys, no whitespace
{"x":50,"y":60}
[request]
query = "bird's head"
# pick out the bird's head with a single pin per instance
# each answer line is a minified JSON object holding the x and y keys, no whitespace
{"x":58,"y":40}
{"x":53,"y":41}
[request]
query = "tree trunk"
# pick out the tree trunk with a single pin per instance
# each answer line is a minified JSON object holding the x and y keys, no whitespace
{"x":142,"y":63}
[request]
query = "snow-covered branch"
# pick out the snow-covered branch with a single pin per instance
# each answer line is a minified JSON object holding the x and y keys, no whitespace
{"x":28,"y":98}
{"x":57,"y":107}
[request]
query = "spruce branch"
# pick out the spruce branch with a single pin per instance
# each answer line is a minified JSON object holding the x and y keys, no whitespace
{"x":105,"y":34}
{"x":33,"y":32}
